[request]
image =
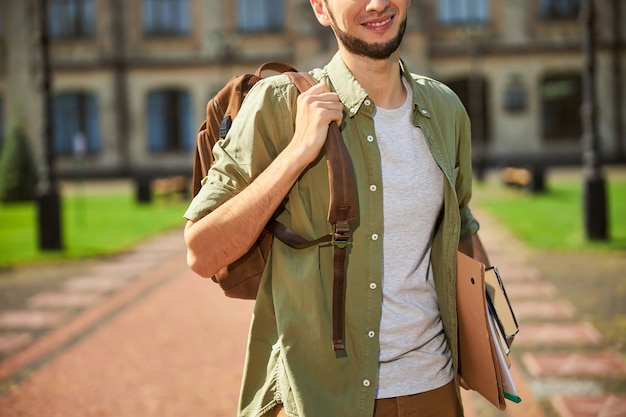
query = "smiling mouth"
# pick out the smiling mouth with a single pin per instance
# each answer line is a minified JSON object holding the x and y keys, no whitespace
{"x":380,"y":23}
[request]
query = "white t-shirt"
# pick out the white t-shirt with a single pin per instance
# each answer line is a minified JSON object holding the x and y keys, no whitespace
{"x":414,"y":354}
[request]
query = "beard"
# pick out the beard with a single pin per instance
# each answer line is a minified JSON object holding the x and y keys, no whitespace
{"x":375,"y":50}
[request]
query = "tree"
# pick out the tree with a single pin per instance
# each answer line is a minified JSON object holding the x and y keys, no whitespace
{"x":18,"y":170}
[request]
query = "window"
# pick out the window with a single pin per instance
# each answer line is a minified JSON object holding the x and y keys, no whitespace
{"x":260,"y":15}
{"x":75,"y":125}
{"x":166,"y":17}
{"x":170,"y":121}
{"x":71,"y":18}
{"x":452,"y":12}
{"x":559,"y":9}
{"x":561,"y":98}
{"x":474,"y":94}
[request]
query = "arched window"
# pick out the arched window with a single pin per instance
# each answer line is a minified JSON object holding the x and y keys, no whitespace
{"x":166,"y":17}
{"x":561,"y":98}
{"x":260,"y":15}
{"x":75,"y":124}
{"x":71,"y":18}
{"x":170,"y":121}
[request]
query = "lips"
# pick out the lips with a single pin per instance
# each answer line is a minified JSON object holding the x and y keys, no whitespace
{"x":379,"y":24}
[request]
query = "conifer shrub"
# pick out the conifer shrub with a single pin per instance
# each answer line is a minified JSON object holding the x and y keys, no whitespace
{"x":18,"y":169}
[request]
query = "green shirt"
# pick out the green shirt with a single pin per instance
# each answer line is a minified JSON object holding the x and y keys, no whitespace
{"x":290,"y":359}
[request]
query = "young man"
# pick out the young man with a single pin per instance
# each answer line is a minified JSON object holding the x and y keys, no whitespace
{"x":409,"y":140}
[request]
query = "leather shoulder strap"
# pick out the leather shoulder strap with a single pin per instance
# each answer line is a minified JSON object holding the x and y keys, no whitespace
{"x":343,"y":197}
{"x":341,"y":212}
{"x":274,"y":66}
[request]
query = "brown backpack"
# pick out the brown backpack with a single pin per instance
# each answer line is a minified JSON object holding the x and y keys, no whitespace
{"x":241,"y":278}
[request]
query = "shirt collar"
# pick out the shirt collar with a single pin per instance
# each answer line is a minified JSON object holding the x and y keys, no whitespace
{"x":419,"y":100}
{"x":352,"y":94}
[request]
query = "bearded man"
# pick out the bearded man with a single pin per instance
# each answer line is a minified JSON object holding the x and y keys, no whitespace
{"x":409,"y":140}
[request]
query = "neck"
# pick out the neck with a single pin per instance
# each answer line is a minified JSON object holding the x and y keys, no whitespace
{"x":381,"y":79}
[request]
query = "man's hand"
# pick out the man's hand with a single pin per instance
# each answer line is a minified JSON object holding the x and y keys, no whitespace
{"x":464,"y":384}
{"x":211,"y":243}
{"x":317,"y":108}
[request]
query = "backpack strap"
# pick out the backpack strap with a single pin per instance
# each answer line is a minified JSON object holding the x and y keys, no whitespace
{"x":342,"y":210}
{"x":343,"y":199}
{"x":274,"y":66}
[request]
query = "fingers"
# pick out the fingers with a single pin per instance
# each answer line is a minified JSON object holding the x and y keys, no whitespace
{"x":320,"y":103}
{"x":319,"y":92}
{"x":318,"y":107}
{"x":319,"y":88}
{"x":464,"y":384}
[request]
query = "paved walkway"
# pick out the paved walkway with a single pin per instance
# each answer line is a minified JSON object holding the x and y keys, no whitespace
{"x":145,"y":341}
{"x":559,"y":364}
{"x":140,"y":335}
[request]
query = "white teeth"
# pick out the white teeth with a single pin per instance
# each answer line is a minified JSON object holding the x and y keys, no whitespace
{"x":377,"y":24}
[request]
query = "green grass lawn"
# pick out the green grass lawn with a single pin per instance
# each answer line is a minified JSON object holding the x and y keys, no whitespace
{"x":108,"y":222}
{"x":554,"y":219}
{"x":92,"y":224}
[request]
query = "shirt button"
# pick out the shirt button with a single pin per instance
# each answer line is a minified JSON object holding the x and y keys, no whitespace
{"x":370,"y":138}
{"x":353,"y":110}
{"x":366,"y":382}
{"x":368,"y":102}
{"x":375,"y":236}
{"x":373,"y":187}
{"x":371,"y":333}
{"x":373,"y":286}
{"x":425,"y":112}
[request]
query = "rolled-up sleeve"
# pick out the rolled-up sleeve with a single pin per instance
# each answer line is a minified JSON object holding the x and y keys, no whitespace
{"x":258,"y":134}
{"x":469,"y":224}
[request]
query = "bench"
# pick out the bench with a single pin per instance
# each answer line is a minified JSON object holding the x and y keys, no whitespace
{"x":530,"y":178}
{"x":175,"y":187}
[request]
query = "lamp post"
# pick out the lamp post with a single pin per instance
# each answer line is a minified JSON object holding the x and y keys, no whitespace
{"x":594,"y":193}
{"x":475,"y":33}
{"x":618,"y":124}
{"x":120,"y":83}
{"x":48,"y":199}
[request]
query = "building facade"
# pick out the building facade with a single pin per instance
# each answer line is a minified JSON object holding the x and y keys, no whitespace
{"x":131,"y":78}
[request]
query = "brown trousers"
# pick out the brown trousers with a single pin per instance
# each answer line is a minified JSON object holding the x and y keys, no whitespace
{"x":440,"y":402}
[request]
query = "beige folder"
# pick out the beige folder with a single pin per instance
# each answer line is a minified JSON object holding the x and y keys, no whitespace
{"x":482,"y":364}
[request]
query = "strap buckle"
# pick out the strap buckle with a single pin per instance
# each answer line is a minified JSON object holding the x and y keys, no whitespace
{"x":341,"y":235}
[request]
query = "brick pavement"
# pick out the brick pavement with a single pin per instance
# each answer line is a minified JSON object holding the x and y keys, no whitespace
{"x":558,"y":356}
{"x":150,"y":348}
{"x":137,"y":335}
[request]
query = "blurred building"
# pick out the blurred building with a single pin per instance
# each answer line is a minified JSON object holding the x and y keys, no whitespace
{"x":131,"y":78}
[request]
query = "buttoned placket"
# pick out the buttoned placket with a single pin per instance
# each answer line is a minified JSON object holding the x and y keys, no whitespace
{"x":374,"y":197}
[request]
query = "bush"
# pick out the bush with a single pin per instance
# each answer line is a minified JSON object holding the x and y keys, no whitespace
{"x":18,"y":170}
